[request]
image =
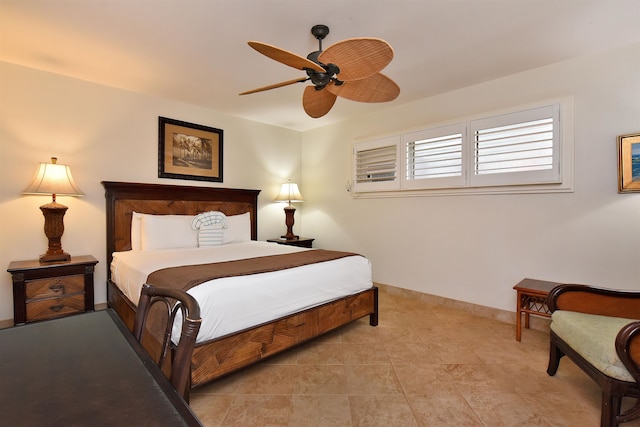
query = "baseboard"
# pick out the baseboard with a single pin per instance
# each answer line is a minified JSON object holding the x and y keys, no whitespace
{"x":535,"y":322}
{"x":6,"y":323}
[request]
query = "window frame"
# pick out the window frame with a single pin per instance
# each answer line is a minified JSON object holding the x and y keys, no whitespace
{"x":557,"y":179}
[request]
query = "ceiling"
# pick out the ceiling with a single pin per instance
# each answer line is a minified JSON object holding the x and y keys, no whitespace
{"x":196,"y":51}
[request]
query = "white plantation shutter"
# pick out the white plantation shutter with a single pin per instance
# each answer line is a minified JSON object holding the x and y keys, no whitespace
{"x":376,"y":165}
{"x":517,"y":148}
{"x":434,"y":155}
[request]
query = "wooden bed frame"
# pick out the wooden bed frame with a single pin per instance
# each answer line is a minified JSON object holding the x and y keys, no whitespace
{"x":218,"y":357}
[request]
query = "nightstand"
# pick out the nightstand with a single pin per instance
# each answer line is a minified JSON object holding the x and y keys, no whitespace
{"x":303,"y":242}
{"x":56,"y":289}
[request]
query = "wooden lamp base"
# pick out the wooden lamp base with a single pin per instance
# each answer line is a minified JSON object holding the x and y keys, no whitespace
{"x":289,"y":211}
{"x":54,"y":228}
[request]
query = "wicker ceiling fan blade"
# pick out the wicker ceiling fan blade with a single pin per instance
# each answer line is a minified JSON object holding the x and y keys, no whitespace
{"x":358,"y":58}
{"x":376,"y":88}
{"x":317,"y":103}
{"x":285,"y":57}
{"x":274,"y":86}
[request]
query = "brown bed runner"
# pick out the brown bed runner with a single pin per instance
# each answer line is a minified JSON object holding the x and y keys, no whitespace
{"x":188,"y":276}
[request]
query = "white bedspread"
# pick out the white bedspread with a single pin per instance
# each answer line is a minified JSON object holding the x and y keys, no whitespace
{"x":232,"y":304}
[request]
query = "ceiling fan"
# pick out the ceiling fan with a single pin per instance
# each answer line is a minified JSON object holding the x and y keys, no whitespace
{"x":350,"y":69}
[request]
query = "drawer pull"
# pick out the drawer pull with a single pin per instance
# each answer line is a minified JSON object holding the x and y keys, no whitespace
{"x":57,"y":287}
{"x":56,"y":308}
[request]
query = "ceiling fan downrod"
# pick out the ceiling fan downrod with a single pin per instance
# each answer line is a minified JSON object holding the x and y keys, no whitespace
{"x":320,"y":80}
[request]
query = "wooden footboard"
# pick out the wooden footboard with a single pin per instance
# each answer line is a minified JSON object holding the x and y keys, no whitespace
{"x":215,"y":358}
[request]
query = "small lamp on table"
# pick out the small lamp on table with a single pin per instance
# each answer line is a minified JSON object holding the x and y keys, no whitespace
{"x":53,"y":179}
{"x":290,"y":193}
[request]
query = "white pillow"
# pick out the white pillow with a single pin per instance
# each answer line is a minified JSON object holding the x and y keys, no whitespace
{"x":167,"y":232}
{"x":238,"y":229}
{"x":136,"y":221}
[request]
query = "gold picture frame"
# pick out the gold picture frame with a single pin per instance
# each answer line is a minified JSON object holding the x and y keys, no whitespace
{"x":629,"y":163}
{"x":189,"y":151}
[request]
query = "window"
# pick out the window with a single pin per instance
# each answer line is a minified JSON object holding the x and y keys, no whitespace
{"x":377,"y":165}
{"x":499,"y":153}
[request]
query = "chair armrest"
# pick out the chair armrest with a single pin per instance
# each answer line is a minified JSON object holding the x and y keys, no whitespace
{"x":592,"y":300}
{"x":628,"y":348}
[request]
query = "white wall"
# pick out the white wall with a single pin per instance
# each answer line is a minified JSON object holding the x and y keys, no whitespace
{"x":107,"y":134}
{"x":475,"y":248}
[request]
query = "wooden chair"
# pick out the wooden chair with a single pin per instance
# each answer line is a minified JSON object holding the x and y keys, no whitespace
{"x":596,"y":328}
{"x":180,"y":358}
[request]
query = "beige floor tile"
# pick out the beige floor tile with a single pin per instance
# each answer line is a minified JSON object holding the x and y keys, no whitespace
{"x":381,"y":411}
{"x":321,"y":353}
{"x":321,"y":379}
{"x":320,"y":411}
{"x":211,"y":410}
{"x":268,"y":379}
{"x":497,"y":409}
{"x":372,"y":379}
{"x":358,"y":354}
{"x":562,"y":409}
{"x":443,"y":409}
{"x":258,"y":410}
{"x":425,"y":380}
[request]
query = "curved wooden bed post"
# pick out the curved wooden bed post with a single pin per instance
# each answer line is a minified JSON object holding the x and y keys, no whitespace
{"x":218,"y":357}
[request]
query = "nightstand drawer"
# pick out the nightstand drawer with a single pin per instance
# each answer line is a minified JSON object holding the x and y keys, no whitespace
{"x":54,"y":286}
{"x":53,"y":307}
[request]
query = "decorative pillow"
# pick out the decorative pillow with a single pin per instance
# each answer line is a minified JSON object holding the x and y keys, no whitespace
{"x":167,"y":232}
{"x":210,"y":235}
{"x":238,"y":229}
{"x":210,"y":228}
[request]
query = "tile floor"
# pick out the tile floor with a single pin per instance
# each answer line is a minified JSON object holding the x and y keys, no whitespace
{"x":423,"y":365}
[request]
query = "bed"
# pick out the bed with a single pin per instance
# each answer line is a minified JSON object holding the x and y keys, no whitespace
{"x":220,"y":355}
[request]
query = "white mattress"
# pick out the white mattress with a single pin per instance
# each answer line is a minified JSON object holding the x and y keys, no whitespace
{"x":232,"y":304}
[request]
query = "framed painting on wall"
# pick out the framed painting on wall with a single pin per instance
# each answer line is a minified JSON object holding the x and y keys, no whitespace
{"x":629,"y":163}
{"x":189,"y":151}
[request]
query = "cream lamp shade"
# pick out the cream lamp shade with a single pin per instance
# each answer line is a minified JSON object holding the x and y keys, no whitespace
{"x":53,"y":179}
{"x":290,"y":193}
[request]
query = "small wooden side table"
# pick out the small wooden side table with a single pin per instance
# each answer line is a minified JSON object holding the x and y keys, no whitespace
{"x":532,"y":299}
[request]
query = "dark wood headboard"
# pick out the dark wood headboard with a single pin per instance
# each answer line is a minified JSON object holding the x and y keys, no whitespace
{"x":123,"y":198}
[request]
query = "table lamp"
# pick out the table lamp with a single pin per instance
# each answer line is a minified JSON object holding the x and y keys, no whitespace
{"x":52,"y":178}
{"x":289,"y":193}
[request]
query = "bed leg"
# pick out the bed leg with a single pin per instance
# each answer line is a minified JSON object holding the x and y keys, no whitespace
{"x":373,"y":317}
